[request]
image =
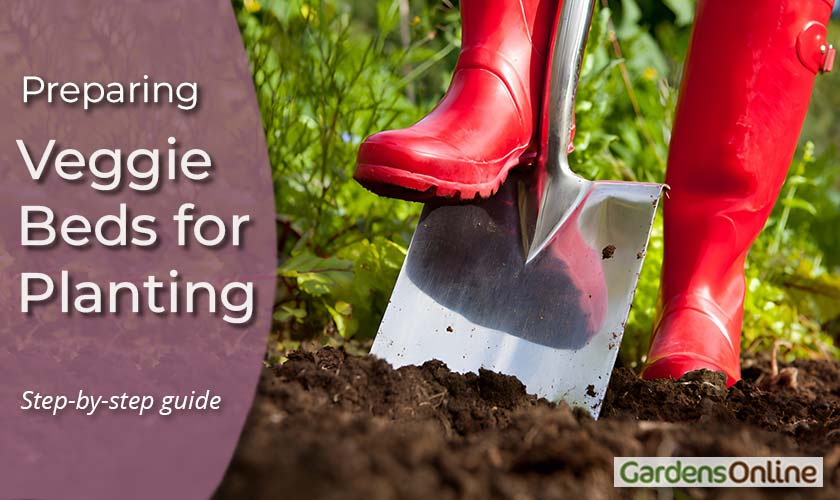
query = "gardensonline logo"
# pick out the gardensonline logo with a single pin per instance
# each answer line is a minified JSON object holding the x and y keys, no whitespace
{"x":718,"y":472}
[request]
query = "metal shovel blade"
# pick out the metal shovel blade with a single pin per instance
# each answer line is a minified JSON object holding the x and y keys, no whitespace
{"x":467,"y":297}
{"x":536,"y":282}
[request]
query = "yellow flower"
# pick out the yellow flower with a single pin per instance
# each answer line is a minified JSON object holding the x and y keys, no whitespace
{"x":306,"y":11}
{"x":309,"y":14}
{"x":415,"y":21}
{"x":252,"y":6}
{"x":650,"y":74}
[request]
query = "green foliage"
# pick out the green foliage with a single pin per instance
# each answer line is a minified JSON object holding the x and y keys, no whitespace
{"x":792,"y":294}
{"x":325,"y":81}
{"x":331,"y":72}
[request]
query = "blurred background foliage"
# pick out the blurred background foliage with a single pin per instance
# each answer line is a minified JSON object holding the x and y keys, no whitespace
{"x":329,"y":73}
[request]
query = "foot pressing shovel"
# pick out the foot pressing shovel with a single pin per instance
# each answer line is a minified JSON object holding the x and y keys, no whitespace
{"x":537,"y":281}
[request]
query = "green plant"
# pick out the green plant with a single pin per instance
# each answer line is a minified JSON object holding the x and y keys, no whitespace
{"x":324,"y":82}
{"x":792,"y":294}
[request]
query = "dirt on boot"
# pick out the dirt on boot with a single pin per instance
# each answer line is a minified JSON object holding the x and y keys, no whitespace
{"x":329,"y":425}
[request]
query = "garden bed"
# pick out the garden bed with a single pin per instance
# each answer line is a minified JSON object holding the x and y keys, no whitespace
{"x":330,"y":425}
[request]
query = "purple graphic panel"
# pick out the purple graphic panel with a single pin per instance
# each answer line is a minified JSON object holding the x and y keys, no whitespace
{"x":130,"y":139}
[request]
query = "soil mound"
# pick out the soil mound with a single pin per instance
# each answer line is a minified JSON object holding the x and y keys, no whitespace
{"x":329,"y":425}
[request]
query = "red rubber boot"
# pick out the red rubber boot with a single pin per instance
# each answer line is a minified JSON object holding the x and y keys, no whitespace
{"x":486,"y":123}
{"x":744,"y":94}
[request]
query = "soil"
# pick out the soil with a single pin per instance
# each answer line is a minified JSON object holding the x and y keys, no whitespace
{"x":330,"y":425}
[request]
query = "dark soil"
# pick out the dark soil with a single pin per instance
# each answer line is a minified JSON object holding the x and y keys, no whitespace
{"x":331,"y":425}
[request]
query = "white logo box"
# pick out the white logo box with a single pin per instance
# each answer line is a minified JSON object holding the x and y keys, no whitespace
{"x":718,"y":472}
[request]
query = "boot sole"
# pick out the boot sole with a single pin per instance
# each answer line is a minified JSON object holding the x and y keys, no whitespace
{"x":397,"y":183}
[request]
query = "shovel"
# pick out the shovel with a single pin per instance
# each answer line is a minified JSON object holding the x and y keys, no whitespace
{"x":537,"y":281}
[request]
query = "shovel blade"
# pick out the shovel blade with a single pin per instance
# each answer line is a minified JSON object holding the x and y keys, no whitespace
{"x":467,"y":297}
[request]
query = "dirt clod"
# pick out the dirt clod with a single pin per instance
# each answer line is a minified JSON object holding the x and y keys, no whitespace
{"x":608,"y":252}
{"x":330,"y":425}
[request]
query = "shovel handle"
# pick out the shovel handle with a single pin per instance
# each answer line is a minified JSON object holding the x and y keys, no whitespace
{"x":561,"y":189}
{"x":566,"y":61}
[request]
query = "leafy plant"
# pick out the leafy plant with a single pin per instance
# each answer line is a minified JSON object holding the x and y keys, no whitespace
{"x":324,"y":82}
{"x":791,"y":292}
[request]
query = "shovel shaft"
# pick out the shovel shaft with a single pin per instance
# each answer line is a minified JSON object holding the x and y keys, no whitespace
{"x":560,"y":189}
{"x":566,"y":62}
